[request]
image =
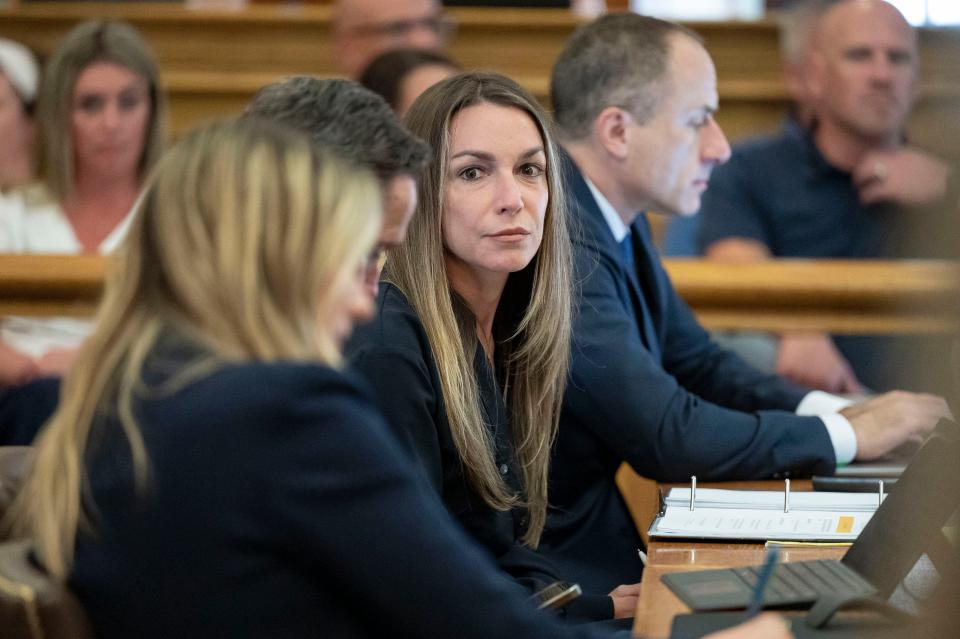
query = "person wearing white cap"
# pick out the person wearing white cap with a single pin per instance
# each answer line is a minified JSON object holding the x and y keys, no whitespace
{"x":18,"y":90}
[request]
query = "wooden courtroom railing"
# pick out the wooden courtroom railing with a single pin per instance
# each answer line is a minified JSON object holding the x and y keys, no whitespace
{"x":213,"y":61}
{"x":50,"y":284}
{"x":837,"y":296}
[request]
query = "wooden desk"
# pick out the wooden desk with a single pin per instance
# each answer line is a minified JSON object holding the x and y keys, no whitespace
{"x":658,"y":605}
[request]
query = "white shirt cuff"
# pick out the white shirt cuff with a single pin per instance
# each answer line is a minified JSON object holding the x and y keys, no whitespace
{"x":821,"y":403}
{"x":841,"y":436}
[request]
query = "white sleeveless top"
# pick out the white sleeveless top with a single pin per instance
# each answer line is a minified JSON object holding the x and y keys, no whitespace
{"x":33,"y":222}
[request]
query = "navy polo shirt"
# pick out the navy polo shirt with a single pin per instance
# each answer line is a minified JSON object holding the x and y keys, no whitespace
{"x":782,"y":192}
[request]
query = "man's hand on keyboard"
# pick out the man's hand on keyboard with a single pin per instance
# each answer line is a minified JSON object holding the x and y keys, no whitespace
{"x":885,"y":422}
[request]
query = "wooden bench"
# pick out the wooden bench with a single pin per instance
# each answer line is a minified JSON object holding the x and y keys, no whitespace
{"x":213,"y":61}
{"x":851,"y":296}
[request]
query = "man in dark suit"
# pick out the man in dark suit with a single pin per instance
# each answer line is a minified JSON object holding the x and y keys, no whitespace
{"x":634,"y":98}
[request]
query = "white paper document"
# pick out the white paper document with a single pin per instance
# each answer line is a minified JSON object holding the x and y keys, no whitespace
{"x":761,"y":525}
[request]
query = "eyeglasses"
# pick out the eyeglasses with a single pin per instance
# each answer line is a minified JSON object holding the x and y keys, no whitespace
{"x":376,"y":260}
{"x":440,"y":25}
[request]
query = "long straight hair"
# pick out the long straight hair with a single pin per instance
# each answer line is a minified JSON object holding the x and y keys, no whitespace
{"x":243,"y":237}
{"x":90,"y":42}
{"x":537,"y":353}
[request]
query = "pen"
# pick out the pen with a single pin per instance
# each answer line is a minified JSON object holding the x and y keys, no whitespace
{"x":756,"y":599}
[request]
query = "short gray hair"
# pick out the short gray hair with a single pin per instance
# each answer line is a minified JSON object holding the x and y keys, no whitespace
{"x":344,"y":117}
{"x":617,"y":60}
{"x":797,"y":25}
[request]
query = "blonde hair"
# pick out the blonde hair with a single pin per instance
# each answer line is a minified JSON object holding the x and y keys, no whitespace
{"x":243,"y":236}
{"x":90,"y":42}
{"x":537,"y":353}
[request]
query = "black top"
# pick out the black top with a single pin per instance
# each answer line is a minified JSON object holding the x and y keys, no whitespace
{"x":279,"y":505}
{"x":780,"y":191}
{"x":394,"y":354}
{"x":24,"y":409}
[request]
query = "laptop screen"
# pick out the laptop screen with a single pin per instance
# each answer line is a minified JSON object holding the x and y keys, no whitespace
{"x":911,"y":516}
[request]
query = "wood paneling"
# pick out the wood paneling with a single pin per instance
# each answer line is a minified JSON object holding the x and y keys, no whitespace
{"x":837,"y":296}
{"x":213,"y":61}
{"x":50,"y":284}
{"x":641,"y":497}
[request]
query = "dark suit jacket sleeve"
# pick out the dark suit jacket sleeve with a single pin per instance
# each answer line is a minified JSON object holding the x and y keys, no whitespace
{"x":352,"y":508}
{"x":404,"y":391}
{"x":641,"y":411}
{"x":714,"y":373}
{"x":535,"y":572}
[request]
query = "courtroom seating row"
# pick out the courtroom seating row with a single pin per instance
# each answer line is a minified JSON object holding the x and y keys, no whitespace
{"x":839,"y":296}
{"x":214,"y":60}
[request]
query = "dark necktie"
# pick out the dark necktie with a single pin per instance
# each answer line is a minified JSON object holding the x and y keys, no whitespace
{"x":626,"y":247}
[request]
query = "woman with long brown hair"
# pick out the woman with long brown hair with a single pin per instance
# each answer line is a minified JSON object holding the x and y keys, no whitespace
{"x":470,"y":343}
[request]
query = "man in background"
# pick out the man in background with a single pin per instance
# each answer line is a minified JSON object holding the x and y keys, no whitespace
{"x":358,"y":125}
{"x":363,"y":29}
{"x":796,"y":27}
{"x":840,"y":181}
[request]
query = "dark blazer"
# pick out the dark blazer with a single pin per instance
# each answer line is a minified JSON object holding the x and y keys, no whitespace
{"x":649,"y":387}
{"x":25,"y":409}
{"x":393,"y":353}
{"x":279,"y":505}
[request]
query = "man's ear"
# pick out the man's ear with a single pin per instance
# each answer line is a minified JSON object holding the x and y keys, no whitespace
{"x":610,"y":130}
{"x":816,"y":67}
{"x":915,"y":84}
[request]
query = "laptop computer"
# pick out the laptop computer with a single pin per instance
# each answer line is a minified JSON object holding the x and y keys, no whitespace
{"x":926,"y":496}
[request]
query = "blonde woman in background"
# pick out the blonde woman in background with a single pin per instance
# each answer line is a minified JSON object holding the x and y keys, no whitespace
{"x":210,"y":471}
{"x":101,"y":125}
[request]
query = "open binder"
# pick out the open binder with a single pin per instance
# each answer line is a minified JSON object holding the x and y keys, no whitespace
{"x":755,"y":515}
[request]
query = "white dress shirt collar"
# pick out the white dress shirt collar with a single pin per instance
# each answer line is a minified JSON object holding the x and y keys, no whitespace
{"x":614,"y":221}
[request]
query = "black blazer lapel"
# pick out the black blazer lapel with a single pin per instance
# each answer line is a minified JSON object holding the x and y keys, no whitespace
{"x":650,"y":276}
